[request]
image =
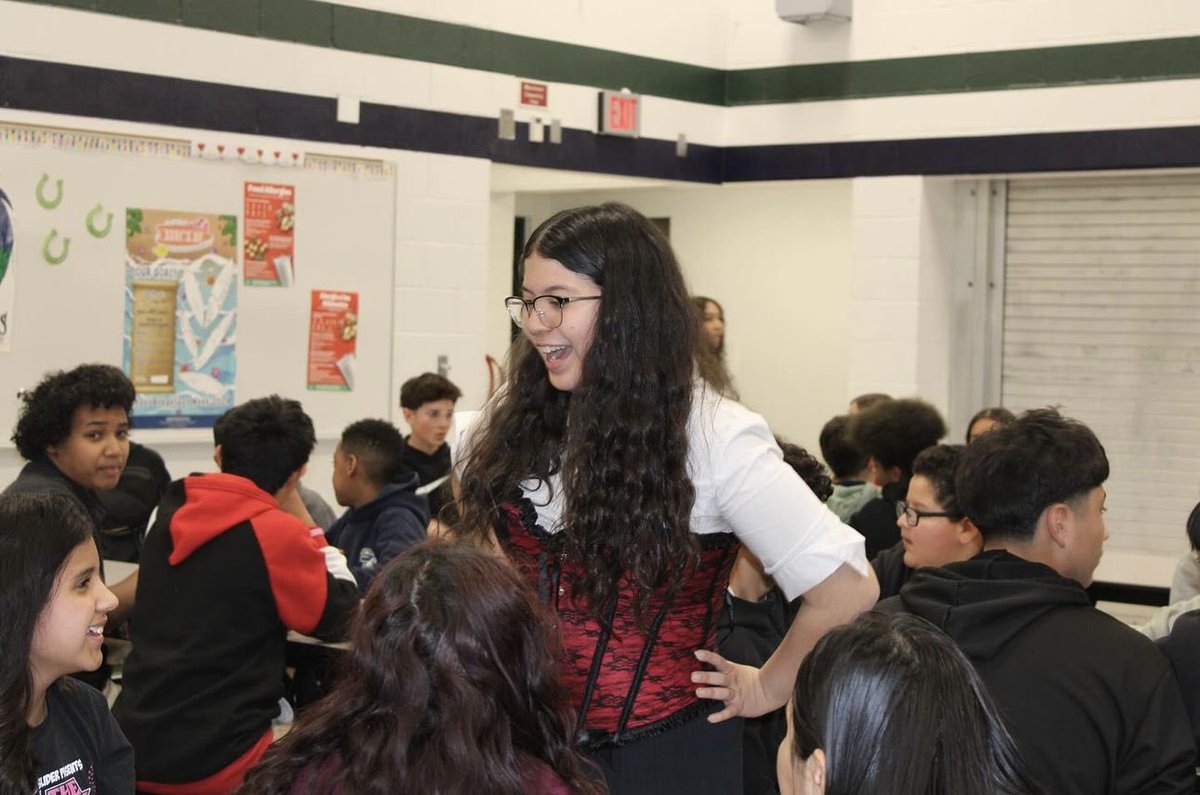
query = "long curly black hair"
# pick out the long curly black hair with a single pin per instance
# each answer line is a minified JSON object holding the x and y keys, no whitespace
{"x":619,"y":441}
{"x":451,"y":687}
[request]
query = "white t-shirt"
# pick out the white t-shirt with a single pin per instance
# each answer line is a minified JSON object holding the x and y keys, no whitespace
{"x":744,"y":487}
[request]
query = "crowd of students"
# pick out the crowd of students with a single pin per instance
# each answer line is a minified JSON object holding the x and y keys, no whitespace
{"x":633,"y":588}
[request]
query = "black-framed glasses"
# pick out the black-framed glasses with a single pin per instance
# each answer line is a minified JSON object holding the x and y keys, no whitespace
{"x":913,"y":517}
{"x":549,"y":308}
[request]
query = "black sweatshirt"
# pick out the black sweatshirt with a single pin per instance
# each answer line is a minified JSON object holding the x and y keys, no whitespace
{"x":1094,"y":707}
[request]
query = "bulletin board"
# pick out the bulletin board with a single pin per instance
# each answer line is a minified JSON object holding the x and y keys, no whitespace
{"x":85,"y":208}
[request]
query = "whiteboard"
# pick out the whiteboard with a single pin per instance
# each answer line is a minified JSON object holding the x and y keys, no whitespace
{"x":73,"y":312}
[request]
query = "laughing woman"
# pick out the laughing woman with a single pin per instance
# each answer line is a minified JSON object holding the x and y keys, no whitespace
{"x":620,"y":483}
{"x":53,"y":607}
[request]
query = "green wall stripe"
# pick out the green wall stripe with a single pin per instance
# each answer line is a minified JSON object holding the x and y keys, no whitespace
{"x":1112,"y":62}
{"x":325,"y":24}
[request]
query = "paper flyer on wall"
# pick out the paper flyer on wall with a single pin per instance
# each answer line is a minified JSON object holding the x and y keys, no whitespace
{"x":332,"y":340}
{"x":7,"y":297}
{"x":270,"y":237}
{"x":180,"y":316}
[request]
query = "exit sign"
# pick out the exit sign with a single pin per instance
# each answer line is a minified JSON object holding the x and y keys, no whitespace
{"x":620,"y":113}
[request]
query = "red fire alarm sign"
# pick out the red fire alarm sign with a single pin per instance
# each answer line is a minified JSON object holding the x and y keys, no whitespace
{"x":534,"y":95}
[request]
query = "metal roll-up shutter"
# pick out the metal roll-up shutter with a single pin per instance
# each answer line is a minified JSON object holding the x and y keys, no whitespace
{"x":1102,"y":318}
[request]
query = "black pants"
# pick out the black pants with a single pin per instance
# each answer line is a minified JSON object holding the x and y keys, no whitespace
{"x":698,"y":758}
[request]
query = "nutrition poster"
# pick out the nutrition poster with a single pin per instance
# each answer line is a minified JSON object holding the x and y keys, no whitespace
{"x":332,"y":340}
{"x":270,"y":247}
{"x":180,"y":315}
{"x":6,"y":279}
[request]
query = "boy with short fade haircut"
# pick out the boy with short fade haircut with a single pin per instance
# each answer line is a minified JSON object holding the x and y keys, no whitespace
{"x":428,"y":405}
{"x":1093,"y":705}
{"x":232,"y":562}
{"x":386,"y":516}
{"x":891,"y":433}
{"x":851,"y":489}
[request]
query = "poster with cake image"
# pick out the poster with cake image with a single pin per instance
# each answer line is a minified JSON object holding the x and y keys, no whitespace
{"x":270,"y":238}
{"x":332,"y":340}
{"x":180,"y":316}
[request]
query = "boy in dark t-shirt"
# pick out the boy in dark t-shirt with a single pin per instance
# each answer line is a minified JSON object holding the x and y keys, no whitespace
{"x":428,"y":405}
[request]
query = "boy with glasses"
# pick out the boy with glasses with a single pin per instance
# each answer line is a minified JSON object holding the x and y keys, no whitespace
{"x":1093,"y":706}
{"x":933,"y":531}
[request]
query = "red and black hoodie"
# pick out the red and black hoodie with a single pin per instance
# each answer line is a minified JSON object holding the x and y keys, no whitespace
{"x":224,"y":575}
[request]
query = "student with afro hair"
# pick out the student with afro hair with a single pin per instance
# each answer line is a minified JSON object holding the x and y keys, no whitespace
{"x":73,"y":432}
{"x":891,"y":433}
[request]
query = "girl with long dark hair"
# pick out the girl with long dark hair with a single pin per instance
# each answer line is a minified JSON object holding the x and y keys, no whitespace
{"x":450,"y":687}
{"x":619,"y":481}
{"x":711,"y":359}
{"x":53,"y":607}
{"x":889,"y":705}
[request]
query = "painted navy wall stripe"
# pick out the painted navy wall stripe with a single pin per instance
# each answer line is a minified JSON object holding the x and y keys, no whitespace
{"x":127,"y":96}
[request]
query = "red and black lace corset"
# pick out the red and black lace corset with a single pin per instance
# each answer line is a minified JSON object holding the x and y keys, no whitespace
{"x":630,"y":682}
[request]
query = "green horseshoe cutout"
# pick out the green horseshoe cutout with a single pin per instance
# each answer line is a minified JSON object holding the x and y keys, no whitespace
{"x":52,"y":258}
{"x":49,"y":204}
{"x":95,"y":213}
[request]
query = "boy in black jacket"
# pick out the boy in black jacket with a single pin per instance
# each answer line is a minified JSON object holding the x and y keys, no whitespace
{"x":386,"y":516}
{"x":428,"y":405}
{"x":1094,"y":707}
{"x":231,"y":563}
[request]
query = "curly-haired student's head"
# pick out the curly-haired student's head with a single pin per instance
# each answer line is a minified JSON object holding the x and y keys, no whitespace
{"x":894,"y":431}
{"x":46,"y":410}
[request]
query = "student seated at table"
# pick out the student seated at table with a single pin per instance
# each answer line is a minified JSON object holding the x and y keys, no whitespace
{"x":852,"y":488}
{"x":129,"y":506}
{"x":451,"y":686}
{"x":232,"y":562}
{"x":56,"y":735}
{"x":1093,"y":706}
{"x":891,"y":433}
{"x":73,"y":429}
{"x":933,"y":530}
{"x":887,"y":705}
{"x":385,"y":515}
